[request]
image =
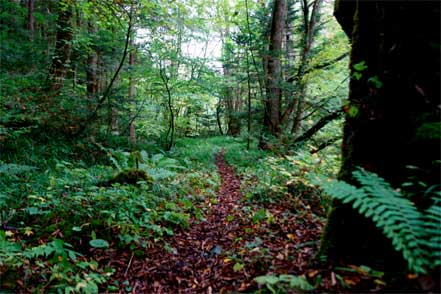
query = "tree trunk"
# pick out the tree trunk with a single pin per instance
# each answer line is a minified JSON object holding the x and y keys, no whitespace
{"x":31,"y":20}
{"x":310,"y":20}
{"x":233,"y":122}
{"x":272,"y":115}
{"x":61,"y":56}
{"x":92,"y":66}
{"x":218,"y":117}
{"x":132,"y":130}
{"x":393,"y":117}
{"x":249,"y":101}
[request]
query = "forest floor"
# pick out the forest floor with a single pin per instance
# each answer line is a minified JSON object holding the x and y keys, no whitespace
{"x":250,"y":232}
{"x":225,"y":251}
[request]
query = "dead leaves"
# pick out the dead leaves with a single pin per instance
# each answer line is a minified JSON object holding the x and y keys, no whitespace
{"x":233,"y":244}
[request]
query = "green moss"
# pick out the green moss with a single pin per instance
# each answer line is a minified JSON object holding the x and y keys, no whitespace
{"x":430,"y":130}
{"x":130,"y":177}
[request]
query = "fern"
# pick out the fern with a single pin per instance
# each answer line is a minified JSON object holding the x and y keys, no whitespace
{"x":15,"y":169}
{"x":416,"y":235}
{"x":433,"y":228}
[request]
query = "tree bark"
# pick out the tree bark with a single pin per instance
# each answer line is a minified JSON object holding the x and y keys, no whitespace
{"x":31,"y":20}
{"x":218,"y":117}
{"x":233,"y":122}
{"x":309,"y":22}
{"x":63,"y":47}
{"x":272,"y":115}
{"x":132,"y":130}
{"x":249,"y":101}
{"x":92,"y":66}
{"x":388,"y":125}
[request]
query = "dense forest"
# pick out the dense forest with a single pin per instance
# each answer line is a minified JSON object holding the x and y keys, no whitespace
{"x":220,"y":146}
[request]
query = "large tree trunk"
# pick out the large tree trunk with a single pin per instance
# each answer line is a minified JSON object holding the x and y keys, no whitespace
{"x":61,"y":56}
{"x":394,"y":117}
{"x":272,"y":115}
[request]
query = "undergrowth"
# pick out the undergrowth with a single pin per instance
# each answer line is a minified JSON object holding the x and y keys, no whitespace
{"x":56,"y":215}
{"x":60,"y":204}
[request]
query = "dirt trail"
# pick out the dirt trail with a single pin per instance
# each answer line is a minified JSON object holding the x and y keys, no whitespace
{"x":238,"y":241}
{"x":195,"y":264}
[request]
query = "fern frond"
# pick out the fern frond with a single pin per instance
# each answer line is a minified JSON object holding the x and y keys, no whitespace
{"x":433,"y":229}
{"x":414,"y":234}
{"x":15,"y":169}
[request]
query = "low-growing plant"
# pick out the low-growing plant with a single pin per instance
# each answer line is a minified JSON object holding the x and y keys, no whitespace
{"x":414,"y":233}
{"x":58,"y":266}
{"x":282,"y":283}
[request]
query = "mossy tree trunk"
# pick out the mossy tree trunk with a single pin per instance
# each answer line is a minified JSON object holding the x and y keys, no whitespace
{"x":392,"y":116}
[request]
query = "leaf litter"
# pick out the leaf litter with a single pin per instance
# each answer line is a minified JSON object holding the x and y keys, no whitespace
{"x":233,"y":244}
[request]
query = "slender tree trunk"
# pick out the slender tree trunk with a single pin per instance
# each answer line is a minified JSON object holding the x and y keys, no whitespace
{"x":289,"y":51}
{"x":63,"y":47}
{"x":310,"y":20}
{"x":92,"y":66}
{"x":31,"y":20}
{"x":171,"y":129}
{"x":132,"y":130}
{"x":249,"y":100}
{"x":233,"y":122}
{"x":218,"y":116}
{"x":250,"y":49}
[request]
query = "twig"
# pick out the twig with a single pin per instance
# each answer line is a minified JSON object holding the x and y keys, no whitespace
{"x":128,"y":266}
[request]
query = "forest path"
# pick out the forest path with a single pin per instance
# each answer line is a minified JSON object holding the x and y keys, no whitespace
{"x":224,"y":252}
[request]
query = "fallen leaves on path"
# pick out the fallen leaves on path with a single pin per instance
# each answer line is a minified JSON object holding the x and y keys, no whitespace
{"x":226,"y":251}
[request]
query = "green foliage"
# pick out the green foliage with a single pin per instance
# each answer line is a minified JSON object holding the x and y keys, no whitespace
{"x":415,"y":234}
{"x":361,"y":66}
{"x":60,"y":268}
{"x":67,"y":199}
{"x":99,"y":243}
{"x":358,"y":70}
{"x":275,"y":178}
{"x":376,"y":82}
{"x":429,"y":130}
{"x":15,"y":169}
{"x":282,"y":283}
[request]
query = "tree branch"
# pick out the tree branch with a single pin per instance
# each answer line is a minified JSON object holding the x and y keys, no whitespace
{"x":324,"y":145}
{"x":319,"y":66}
{"x":327,"y":63}
{"x":318,"y":126}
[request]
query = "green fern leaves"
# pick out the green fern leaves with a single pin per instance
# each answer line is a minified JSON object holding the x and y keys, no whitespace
{"x":415,"y":234}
